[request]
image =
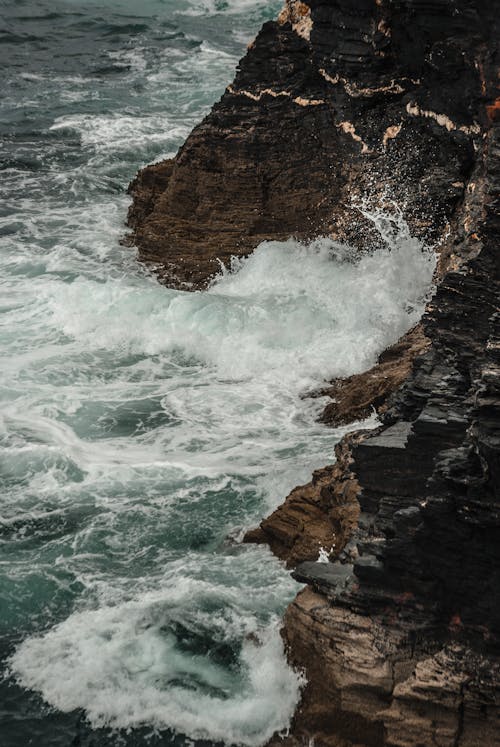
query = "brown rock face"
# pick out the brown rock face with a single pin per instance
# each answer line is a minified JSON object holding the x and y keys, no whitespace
{"x":399,"y":638}
{"x":338,"y":100}
{"x":356,"y":397}
{"x":369,"y":685}
{"x":320,"y":515}
{"x":333,"y":102}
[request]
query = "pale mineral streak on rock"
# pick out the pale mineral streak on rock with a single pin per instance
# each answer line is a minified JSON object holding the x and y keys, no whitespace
{"x":393,"y":87}
{"x":384,"y":27}
{"x":257,"y":96}
{"x":443,"y":120}
{"x":333,"y":79}
{"x":350,"y":129}
{"x":391,"y":132}
{"x":298,"y":14}
{"x":299,"y":100}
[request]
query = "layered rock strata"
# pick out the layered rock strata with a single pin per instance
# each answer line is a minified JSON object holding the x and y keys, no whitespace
{"x":399,"y":637}
{"x":321,"y":515}
{"x":355,"y":97}
{"x":357,"y":396}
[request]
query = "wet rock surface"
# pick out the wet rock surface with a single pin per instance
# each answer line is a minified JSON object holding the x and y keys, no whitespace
{"x":399,"y":637}
{"x":419,"y":664}
{"x":356,"y":397}
{"x":354,"y":98}
{"x":321,"y":515}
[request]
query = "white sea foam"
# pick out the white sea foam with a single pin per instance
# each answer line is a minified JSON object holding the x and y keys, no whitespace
{"x":124,"y":665}
{"x":117,"y":132}
{"x":193,"y":77}
{"x":289,"y":312}
{"x":213,"y":7}
{"x":239,"y":356}
{"x":133,"y":58}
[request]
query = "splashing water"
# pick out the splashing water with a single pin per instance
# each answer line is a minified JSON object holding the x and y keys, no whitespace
{"x":156,"y":423}
{"x":142,"y":427}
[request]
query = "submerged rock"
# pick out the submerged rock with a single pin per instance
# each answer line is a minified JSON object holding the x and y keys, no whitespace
{"x":399,"y":639}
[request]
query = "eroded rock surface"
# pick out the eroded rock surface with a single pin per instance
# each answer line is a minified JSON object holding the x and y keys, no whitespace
{"x":333,"y":101}
{"x":403,"y":630}
{"x":321,"y":515}
{"x":357,"y":396}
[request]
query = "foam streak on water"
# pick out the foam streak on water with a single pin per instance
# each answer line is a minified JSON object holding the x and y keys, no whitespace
{"x":142,"y":427}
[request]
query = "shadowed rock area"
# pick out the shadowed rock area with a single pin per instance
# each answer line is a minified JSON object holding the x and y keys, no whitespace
{"x":336,"y":101}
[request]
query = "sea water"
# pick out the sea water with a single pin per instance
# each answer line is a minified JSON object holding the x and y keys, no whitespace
{"x":142,"y":429}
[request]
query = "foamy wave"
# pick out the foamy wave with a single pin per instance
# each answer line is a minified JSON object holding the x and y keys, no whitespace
{"x":128,"y":458}
{"x":290,"y":311}
{"x":213,"y":675}
{"x":192,"y":402}
{"x":133,"y":59}
{"x":232,"y":7}
{"x":194,"y":76}
{"x":116,"y":132}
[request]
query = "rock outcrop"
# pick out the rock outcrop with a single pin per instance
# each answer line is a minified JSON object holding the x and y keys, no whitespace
{"x":421,"y":594}
{"x":356,"y":397}
{"x":321,"y":515}
{"x":336,"y":100}
{"x":356,"y":97}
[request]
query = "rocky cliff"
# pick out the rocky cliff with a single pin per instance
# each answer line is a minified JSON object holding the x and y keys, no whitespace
{"x":335,"y":101}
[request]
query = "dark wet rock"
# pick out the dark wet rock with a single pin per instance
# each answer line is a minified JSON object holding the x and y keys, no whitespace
{"x":330,"y":577}
{"x":358,"y":396}
{"x":416,"y":639}
{"x":330,"y":104}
